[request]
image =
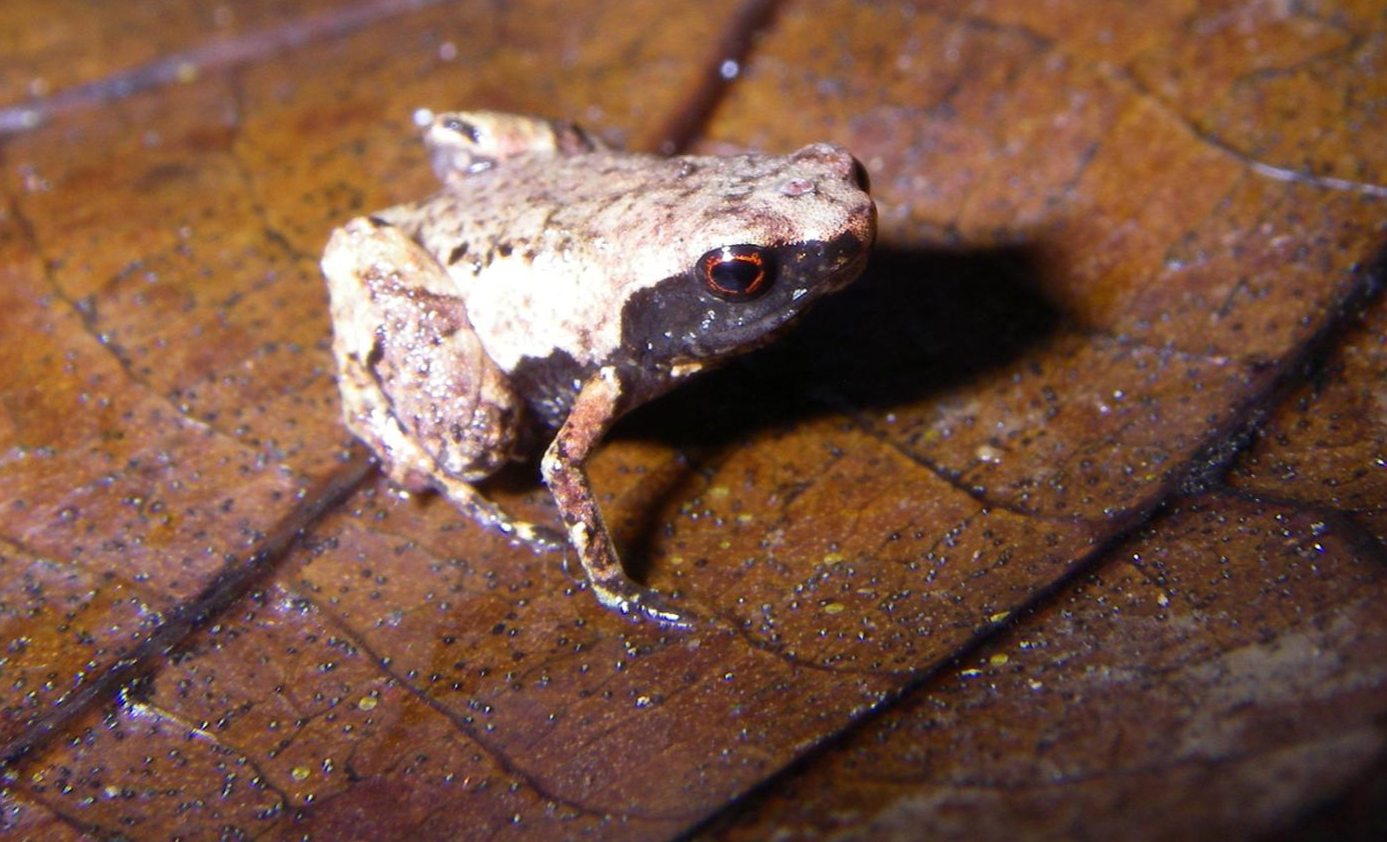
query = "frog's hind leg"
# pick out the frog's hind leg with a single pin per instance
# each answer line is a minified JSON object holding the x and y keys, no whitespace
{"x":416,"y":385}
{"x":481,"y":509}
{"x":464,"y":143}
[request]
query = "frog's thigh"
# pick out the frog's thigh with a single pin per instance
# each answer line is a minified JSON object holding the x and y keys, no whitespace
{"x":594,"y":411}
{"x":416,"y":385}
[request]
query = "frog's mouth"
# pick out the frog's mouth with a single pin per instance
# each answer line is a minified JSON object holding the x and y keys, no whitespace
{"x":679,"y":326}
{"x":805,"y":273}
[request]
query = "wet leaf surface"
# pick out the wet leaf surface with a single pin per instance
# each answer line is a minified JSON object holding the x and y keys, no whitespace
{"x":1069,"y":515}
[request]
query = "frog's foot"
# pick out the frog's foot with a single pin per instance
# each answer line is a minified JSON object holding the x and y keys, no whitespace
{"x":643,"y":604}
{"x":542,"y":538}
{"x":471,"y":501}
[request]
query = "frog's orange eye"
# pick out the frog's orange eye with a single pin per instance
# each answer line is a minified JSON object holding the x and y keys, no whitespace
{"x":736,"y":273}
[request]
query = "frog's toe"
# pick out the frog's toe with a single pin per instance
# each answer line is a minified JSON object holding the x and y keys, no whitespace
{"x":644,"y":605}
{"x":541,"y":538}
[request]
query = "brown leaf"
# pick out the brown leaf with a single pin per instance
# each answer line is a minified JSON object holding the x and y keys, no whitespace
{"x":986,"y":492}
{"x":1220,"y":675}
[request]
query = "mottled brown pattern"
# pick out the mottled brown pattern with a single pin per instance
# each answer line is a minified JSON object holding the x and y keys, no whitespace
{"x":416,"y":385}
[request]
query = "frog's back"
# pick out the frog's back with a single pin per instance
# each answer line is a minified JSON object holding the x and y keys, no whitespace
{"x":570,"y":256}
{"x":566,"y":209}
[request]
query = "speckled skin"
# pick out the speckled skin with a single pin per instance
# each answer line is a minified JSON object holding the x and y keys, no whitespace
{"x":553,"y":279}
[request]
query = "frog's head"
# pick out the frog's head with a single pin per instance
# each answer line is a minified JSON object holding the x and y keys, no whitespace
{"x":769,"y":244}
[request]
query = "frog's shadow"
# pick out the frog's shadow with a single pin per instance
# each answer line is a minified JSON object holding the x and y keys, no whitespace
{"x":916,"y":323}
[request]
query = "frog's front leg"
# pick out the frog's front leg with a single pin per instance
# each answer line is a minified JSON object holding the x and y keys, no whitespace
{"x":594,"y":411}
{"x":417,"y":386}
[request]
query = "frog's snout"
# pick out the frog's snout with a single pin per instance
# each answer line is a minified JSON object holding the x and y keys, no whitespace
{"x":837,"y":160}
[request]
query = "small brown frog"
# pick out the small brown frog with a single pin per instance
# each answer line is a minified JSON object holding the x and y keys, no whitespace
{"x":556,"y":283}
